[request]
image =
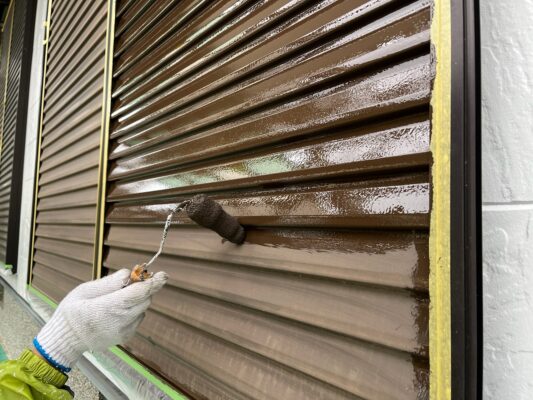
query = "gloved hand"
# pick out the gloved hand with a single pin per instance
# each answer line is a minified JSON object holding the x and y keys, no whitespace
{"x":94,"y":316}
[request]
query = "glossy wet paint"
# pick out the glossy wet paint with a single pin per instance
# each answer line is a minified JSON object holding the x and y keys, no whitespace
{"x":309,"y":121}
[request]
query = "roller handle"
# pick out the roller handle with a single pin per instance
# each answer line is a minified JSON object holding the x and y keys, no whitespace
{"x":209,"y":214}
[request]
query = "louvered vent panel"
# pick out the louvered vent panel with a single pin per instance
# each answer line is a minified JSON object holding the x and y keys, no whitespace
{"x":309,"y":121}
{"x":71,"y":130}
{"x":17,"y":39}
{"x":5,"y":187}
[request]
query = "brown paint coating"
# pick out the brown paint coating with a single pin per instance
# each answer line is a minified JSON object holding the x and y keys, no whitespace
{"x":139,"y":27}
{"x":400,"y":144}
{"x":131,"y":14}
{"x":380,"y":204}
{"x":395,"y":259}
{"x":260,"y":50}
{"x":310,"y":124}
{"x":401,"y":87}
{"x":255,"y":19}
{"x":345,"y":54}
{"x":127,"y":50}
{"x":122,"y":6}
{"x":140,"y":139}
{"x":213,"y":16}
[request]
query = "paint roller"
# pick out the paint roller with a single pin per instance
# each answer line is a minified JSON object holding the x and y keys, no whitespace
{"x":205,"y":212}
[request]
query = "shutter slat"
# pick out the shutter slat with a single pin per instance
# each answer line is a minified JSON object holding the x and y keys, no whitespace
{"x":76,"y":269}
{"x":56,"y":285}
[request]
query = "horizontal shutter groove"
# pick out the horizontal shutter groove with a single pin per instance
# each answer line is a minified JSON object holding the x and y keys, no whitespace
{"x":84,"y":74}
{"x":253,"y":20}
{"x":86,"y":85}
{"x":131,"y":15}
{"x":66,"y":26}
{"x":53,"y":283}
{"x":94,"y":49}
{"x":170,"y":24}
{"x":75,"y":150}
{"x":162,"y":8}
{"x":91,"y":92}
{"x":83,"y":35}
{"x":123,"y":6}
{"x":57,"y":263}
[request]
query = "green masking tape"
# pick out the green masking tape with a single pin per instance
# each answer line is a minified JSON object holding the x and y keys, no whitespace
{"x":43,"y":297}
{"x":170,"y":392}
{"x":138,"y":367}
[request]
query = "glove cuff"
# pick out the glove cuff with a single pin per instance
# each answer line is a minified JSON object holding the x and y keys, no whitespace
{"x":42,"y":370}
{"x":58,"y":344}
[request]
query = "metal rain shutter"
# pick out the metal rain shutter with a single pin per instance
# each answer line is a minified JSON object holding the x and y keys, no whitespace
{"x":309,"y":121}
{"x":5,"y":171}
{"x":70,"y":145}
{"x":16,"y":59}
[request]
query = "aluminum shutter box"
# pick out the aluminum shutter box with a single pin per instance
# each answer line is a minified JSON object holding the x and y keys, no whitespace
{"x":17,"y":45}
{"x":66,"y":214}
{"x":309,"y":121}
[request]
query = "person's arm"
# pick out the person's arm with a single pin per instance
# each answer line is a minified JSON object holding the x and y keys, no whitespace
{"x":94,"y":316}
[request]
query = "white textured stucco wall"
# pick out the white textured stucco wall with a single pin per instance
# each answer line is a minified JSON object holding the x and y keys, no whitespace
{"x":507,"y":91}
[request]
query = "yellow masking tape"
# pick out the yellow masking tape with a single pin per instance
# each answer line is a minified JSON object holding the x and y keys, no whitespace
{"x":439,"y":240}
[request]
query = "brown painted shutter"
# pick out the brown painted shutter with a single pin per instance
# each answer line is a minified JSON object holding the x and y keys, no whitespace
{"x":70,"y":145}
{"x":17,"y":45}
{"x":309,"y":121}
{"x":5,"y":172}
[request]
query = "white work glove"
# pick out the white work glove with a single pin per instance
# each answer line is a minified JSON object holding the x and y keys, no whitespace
{"x":94,"y":316}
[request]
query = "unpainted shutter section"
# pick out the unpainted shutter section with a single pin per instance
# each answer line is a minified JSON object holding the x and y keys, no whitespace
{"x":69,"y":154}
{"x":309,"y":121}
{"x":5,"y":181}
{"x":16,"y":56}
